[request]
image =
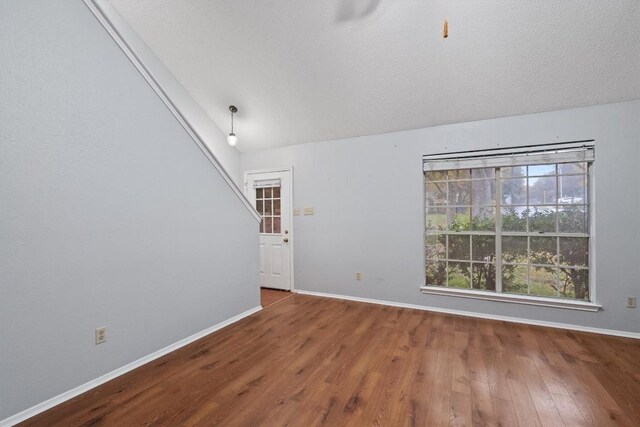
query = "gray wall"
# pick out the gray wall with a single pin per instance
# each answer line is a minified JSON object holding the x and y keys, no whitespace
{"x":110,"y":215}
{"x":368,"y":199}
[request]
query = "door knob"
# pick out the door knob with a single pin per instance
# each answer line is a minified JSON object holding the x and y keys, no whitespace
{"x":286,"y":240}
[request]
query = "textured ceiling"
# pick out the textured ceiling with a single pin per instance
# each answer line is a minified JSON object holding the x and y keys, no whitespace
{"x":309,"y":70}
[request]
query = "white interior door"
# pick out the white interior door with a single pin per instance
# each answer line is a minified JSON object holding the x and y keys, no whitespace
{"x":270,"y":194}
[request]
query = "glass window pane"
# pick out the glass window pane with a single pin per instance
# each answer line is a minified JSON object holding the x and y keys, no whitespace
{"x":276,"y":192}
{"x":543,"y":250}
{"x":512,"y":172}
{"x":572,"y":190}
{"x":258,"y":193}
{"x":267,"y":193}
{"x":572,"y":168}
{"x":436,"y":193}
{"x":543,"y":281}
{"x":483,"y":276}
{"x":483,"y":192}
{"x":459,"y":193}
{"x":276,"y":224}
{"x":459,"y":219}
{"x":514,"y":249}
{"x":483,"y":219}
{"x":483,"y":248}
{"x":260,"y":206}
{"x":459,"y":174}
{"x":542,"y":219}
{"x":574,"y":283}
{"x":459,"y":275}
{"x":483,"y":173}
{"x":515,"y":279}
{"x":436,"y":219}
{"x":436,"y":273}
{"x":435,"y":175}
{"x":572,"y":219}
{"x":268,"y":222}
{"x":542,"y":191}
{"x":541,"y":170}
{"x":514,"y":218}
{"x":276,"y":207}
{"x":267,"y":207}
{"x":436,"y":246}
{"x":514,"y":191}
{"x":262,"y":226}
{"x":574,"y":251}
{"x":459,"y":246}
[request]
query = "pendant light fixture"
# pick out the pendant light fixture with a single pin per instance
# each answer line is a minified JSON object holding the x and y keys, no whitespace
{"x":232,"y":139}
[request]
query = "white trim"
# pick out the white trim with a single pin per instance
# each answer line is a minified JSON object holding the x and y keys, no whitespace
{"x":63,"y":397}
{"x":292,"y":241}
{"x":625,"y":334}
{"x":106,"y":17}
{"x":517,"y":299}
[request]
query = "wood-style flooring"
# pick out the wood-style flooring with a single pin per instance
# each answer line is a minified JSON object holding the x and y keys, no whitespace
{"x":272,"y":296}
{"x":309,"y":361}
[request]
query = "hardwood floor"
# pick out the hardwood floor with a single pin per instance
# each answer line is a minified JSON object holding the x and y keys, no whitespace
{"x":310,"y":361}
{"x":272,"y":296}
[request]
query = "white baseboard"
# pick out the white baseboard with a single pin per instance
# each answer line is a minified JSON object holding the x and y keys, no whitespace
{"x":41,"y":407}
{"x":614,"y":332}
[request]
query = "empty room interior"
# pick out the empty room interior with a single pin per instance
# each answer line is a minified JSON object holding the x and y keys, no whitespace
{"x":319,"y":213}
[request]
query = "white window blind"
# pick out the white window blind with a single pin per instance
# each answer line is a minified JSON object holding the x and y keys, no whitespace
{"x":581,"y":151}
{"x":267,"y":183}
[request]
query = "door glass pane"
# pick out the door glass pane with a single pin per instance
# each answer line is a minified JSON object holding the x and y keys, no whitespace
{"x":276,"y":192}
{"x":262,"y":226}
{"x":267,"y":207}
{"x":258,"y":193}
{"x":260,"y":206}
{"x":268,"y":222}
{"x":276,"y":206}
{"x":267,"y":193}
{"x":276,"y":225}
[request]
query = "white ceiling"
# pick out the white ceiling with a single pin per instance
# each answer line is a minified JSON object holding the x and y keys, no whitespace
{"x":309,"y":70}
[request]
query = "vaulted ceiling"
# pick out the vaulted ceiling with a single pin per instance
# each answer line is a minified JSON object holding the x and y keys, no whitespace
{"x":309,"y":70}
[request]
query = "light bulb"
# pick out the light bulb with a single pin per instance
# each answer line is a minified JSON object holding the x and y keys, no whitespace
{"x":232,"y":139}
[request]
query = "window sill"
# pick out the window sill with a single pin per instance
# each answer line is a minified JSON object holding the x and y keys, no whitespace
{"x":517,"y":299}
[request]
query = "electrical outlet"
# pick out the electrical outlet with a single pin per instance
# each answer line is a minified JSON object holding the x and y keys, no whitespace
{"x":631,"y":302}
{"x":296,"y":211}
{"x":308,"y":210}
{"x":101,"y":335}
{"x":358,"y":275}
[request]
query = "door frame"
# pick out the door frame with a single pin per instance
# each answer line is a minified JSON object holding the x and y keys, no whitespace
{"x":292,"y":241}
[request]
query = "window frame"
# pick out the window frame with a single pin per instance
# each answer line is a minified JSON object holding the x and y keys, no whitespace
{"x":498,"y":295}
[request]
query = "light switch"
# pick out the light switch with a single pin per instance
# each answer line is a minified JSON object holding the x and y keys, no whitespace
{"x":308,"y":210}
{"x":296,"y":211}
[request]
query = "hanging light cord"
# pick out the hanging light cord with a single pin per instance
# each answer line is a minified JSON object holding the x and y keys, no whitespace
{"x":231,"y":121}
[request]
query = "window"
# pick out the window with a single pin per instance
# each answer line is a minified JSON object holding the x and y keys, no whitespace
{"x":510,"y":223}
{"x":268,"y":206}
